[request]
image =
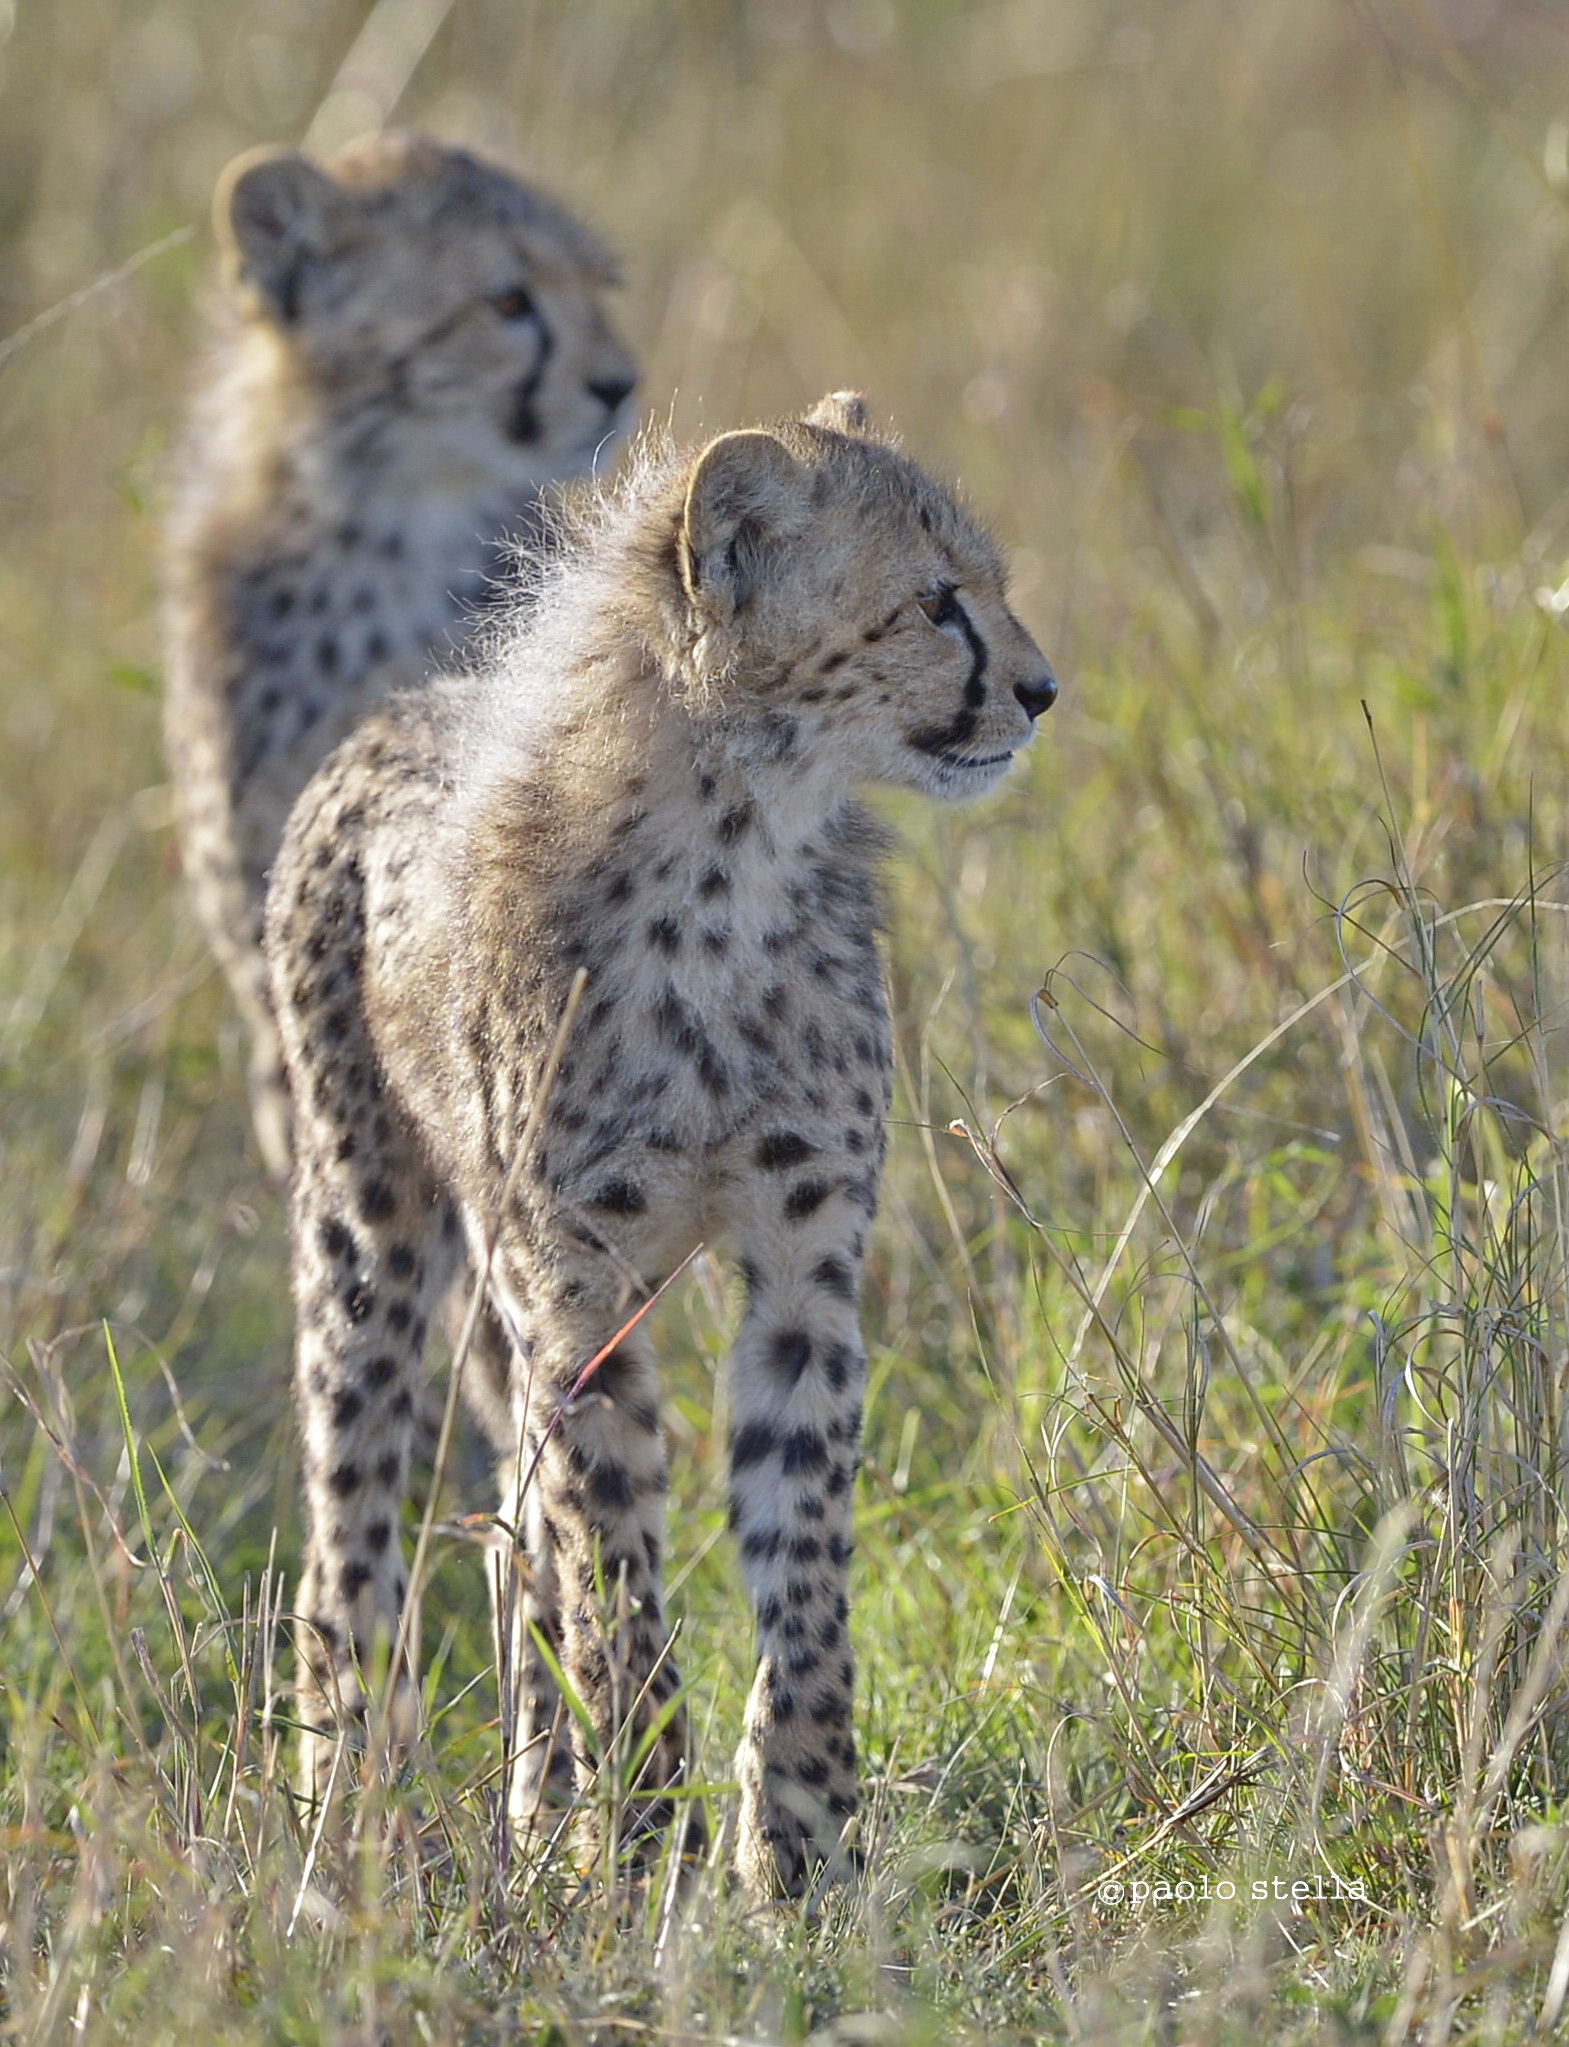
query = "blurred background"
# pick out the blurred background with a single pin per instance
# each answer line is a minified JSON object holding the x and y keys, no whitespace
{"x":1230,"y":317}
{"x":1243,"y":322}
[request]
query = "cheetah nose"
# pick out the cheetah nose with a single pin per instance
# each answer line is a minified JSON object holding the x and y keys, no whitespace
{"x":1037,"y":696}
{"x":611,"y":390}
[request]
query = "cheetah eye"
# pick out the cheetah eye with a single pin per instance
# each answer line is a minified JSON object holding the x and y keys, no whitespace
{"x":515,"y":303}
{"x":941,"y":605}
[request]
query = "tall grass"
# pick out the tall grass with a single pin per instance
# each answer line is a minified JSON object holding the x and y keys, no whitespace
{"x":1211,"y":1531}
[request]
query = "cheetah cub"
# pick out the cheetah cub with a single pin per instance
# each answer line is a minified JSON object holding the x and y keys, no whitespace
{"x":655,"y":782}
{"x":414,"y":345}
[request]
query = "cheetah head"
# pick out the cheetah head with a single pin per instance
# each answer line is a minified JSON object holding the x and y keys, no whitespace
{"x":416,"y":278}
{"x":844,"y":611}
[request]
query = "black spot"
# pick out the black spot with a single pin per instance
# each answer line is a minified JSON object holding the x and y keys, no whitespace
{"x":337,"y":1241}
{"x":401,"y":1262}
{"x":619,"y":887}
{"x":711,"y":1070}
{"x":616,"y":1373}
{"x":802,"y":1453}
{"x":705,"y":785}
{"x":389,"y":1469}
{"x":377,"y":1535}
{"x":346,"y":1410}
{"x":345,"y":1479}
{"x":761,"y":1546}
{"x":735,"y":823}
{"x":750,"y":1445}
{"x":837,"y":1362}
{"x":716,"y":941}
{"x":619,"y":1197}
{"x":833,"y":661}
{"x":782,"y":1148}
{"x":327,"y":654}
{"x":714,"y":883}
{"x":610,"y":1488}
{"x":377,"y":1201}
{"x":833,"y":1276}
{"x":806,"y":1199}
{"x":665,"y":934}
{"x":379,"y":1372}
{"x":813,"y":1772}
{"x":789,"y":1354}
{"x":359,"y":1301}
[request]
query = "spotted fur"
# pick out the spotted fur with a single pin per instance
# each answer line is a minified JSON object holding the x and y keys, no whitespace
{"x":654,"y":783}
{"x":413,"y":345}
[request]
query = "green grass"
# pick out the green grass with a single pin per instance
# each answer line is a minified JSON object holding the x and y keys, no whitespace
{"x":1212,"y":1526}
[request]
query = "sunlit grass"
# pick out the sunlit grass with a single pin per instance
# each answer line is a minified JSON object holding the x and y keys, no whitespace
{"x":1212,"y":1529}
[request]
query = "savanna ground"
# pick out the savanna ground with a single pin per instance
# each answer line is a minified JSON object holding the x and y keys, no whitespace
{"x":1212,"y":1528}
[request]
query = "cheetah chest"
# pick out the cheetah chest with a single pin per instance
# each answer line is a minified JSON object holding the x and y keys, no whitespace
{"x":732,"y":1004}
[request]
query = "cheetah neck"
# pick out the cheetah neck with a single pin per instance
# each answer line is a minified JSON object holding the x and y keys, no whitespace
{"x":652,"y":802}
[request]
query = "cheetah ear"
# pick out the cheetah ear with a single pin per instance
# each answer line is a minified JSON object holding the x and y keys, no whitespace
{"x":276,"y":213}
{"x":843,"y":412}
{"x":747,"y":494}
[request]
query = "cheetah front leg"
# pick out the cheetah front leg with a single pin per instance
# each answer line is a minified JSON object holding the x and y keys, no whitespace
{"x":589,"y":1504}
{"x":798,"y":1374}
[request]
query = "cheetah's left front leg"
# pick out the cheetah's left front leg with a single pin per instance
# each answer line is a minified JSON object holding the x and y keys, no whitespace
{"x":588,"y":1502}
{"x":798,"y":1375}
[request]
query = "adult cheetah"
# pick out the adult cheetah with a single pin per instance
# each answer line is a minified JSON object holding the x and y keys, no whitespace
{"x":413,"y":346}
{"x":653,"y":787}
